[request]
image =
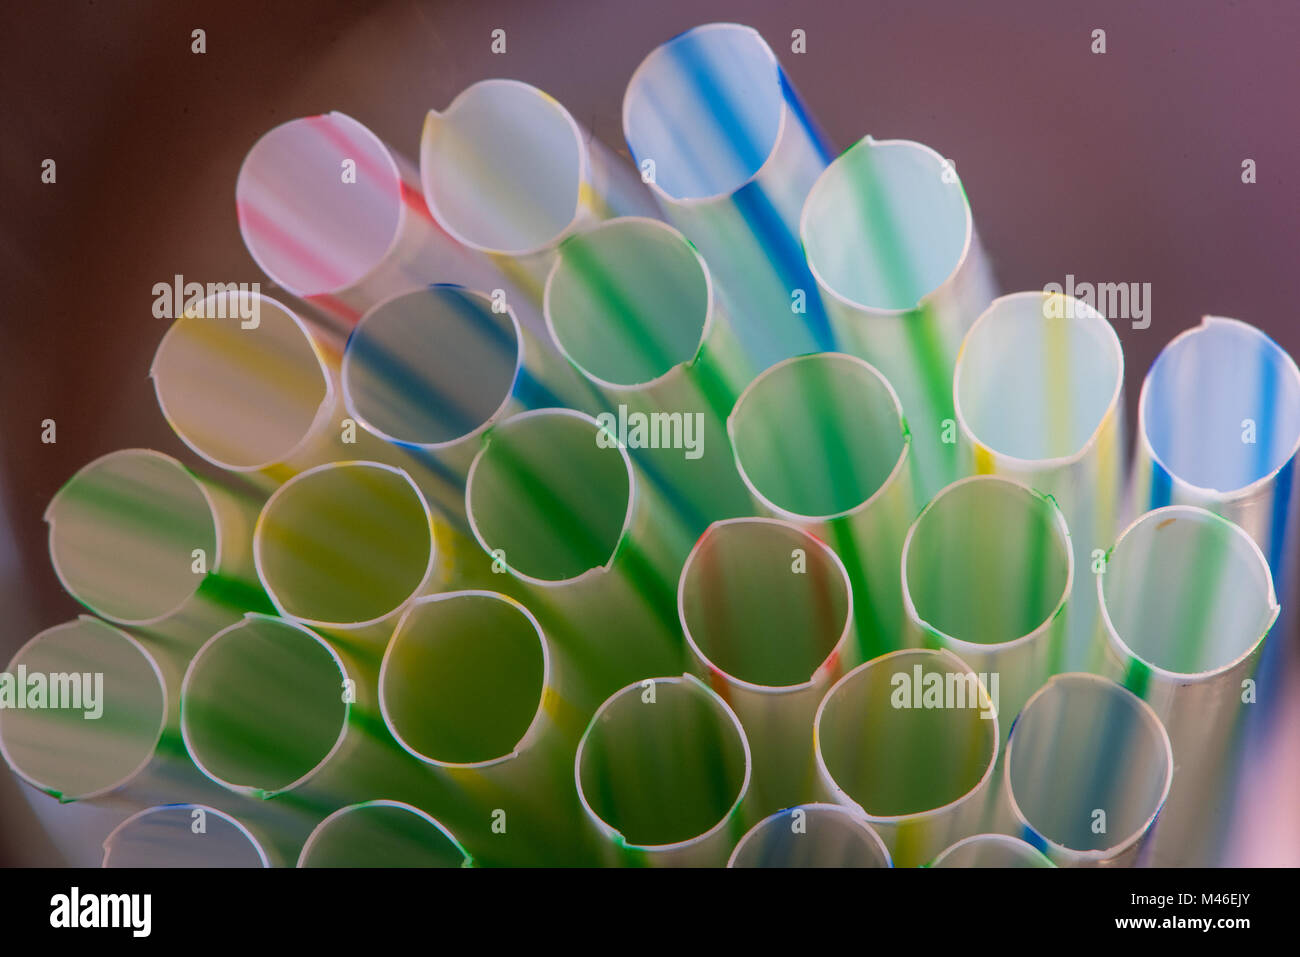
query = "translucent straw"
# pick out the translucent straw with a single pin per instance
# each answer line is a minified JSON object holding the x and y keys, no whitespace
{"x":85,"y":705}
{"x":662,"y":772}
{"x":382,"y":834}
{"x":767,"y":610}
{"x":820,"y":441}
{"x":631,"y":304}
{"x":909,"y":739}
{"x":987,"y":574}
{"x":183,"y":835}
{"x":1088,"y":767}
{"x":992,"y":850}
{"x":889,"y":236}
{"x":811,"y":835}
{"x":730,"y":153}
{"x":1039,"y":397}
{"x":1186,"y":601}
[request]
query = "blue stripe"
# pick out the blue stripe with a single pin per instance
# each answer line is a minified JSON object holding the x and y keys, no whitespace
{"x":1161,"y":486}
{"x":1278,"y":522}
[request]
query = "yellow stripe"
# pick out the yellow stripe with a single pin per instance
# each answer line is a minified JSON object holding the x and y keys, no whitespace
{"x":984,"y":464}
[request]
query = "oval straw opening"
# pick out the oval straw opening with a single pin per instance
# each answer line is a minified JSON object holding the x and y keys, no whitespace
{"x":382,"y":834}
{"x":811,"y":835}
{"x":992,"y":850}
{"x":182,"y":835}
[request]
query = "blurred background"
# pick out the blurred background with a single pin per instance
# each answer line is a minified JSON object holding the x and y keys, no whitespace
{"x":1116,"y":167}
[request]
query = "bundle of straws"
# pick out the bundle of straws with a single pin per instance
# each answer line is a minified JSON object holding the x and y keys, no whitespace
{"x":708,"y":509}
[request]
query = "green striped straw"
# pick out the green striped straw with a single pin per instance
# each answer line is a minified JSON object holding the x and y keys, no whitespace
{"x":183,"y":835}
{"x":811,"y":835}
{"x":382,"y":834}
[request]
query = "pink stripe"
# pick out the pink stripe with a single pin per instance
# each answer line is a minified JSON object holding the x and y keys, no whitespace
{"x":253,"y":220}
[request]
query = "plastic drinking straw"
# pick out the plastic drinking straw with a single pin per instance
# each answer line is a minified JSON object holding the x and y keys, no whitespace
{"x":910,"y":740}
{"x":631,"y":305}
{"x":1088,"y":767}
{"x":730,"y":153}
{"x":572,"y":524}
{"x":992,"y":850}
{"x":382,"y":834}
{"x":335,"y":217}
{"x":471,"y":687}
{"x":1038,"y":392}
{"x":345,"y":546}
{"x":767,"y":610}
{"x":508,"y":172}
{"x":1186,"y":602}
{"x":820,"y":441}
{"x":888,"y":233}
{"x":811,"y":835}
{"x":59,"y":740}
{"x":662,"y":772}
{"x":183,"y":835}
{"x":987,"y":573}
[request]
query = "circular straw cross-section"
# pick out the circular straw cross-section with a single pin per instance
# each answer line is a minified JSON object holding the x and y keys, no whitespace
{"x":765,"y":603}
{"x":431,"y":366}
{"x":628,"y":300}
{"x":672,"y":117}
{"x":182,"y":835}
{"x":344,"y":544}
{"x":886,"y":224}
{"x":241,"y":398}
{"x":382,"y":834}
{"x":1036,"y":376}
{"x":123,"y":535}
{"x":85,"y":709}
{"x":550,"y":495}
{"x":818,"y":436}
{"x":663,"y":763}
{"x":1083,"y":745}
{"x":811,"y":835}
{"x":987,"y":562}
{"x":240,"y":728}
{"x":992,"y":850}
{"x":310,"y":228}
{"x":908,"y":733}
{"x":1208,"y":390}
{"x":463,"y":678}
{"x":503,"y":167}
{"x":1215,"y":593}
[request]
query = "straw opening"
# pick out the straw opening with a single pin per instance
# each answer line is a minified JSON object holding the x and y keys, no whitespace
{"x":382,"y":834}
{"x":811,"y":835}
{"x":182,"y":835}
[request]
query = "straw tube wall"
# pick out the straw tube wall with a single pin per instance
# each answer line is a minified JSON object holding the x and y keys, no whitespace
{"x":1039,"y":396}
{"x":767,"y":610}
{"x":910,"y":740}
{"x":987,"y":572}
{"x":730,"y":153}
{"x":382,"y":834}
{"x":1088,"y":767}
{"x":1187,"y":600}
{"x":663,"y":771}
{"x":811,"y":835}
{"x":183,"y":835}
{"x":889,"y":236}
{"x":820,"y":441}
{"x":632,"y":306}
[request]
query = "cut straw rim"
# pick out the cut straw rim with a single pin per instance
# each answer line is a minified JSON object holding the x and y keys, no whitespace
{"x":322,"y":412}
{"x":315,"y":835}
{"x":213,"y":513}
{"x":259,"y":540}
{"x":1200,"y":515}
{"x":843,"y":300}
{"x":1022,"y":848}
{"x":991,"y":723}
{"x":345,"y":366}
{"x":583,"y":170}
{"x":1200,"y":491}
{"x":252,"y":790}
{"x":539,"y":715}
{"x":1145,"y":711}
{"x":884,"y":485}
{"x":390,"y":166}
{"x":127,"y":778}
{"x":206,"y":809}
{"x":833,"y":657}
{"x":625,"y":530}
{"x":783,"y":121}
{"x":835,"y":810}
{"x":988,"y":317}
{"x":710,"y":310}
{"x":1062,"y":538}
{"x":613,"y":833}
